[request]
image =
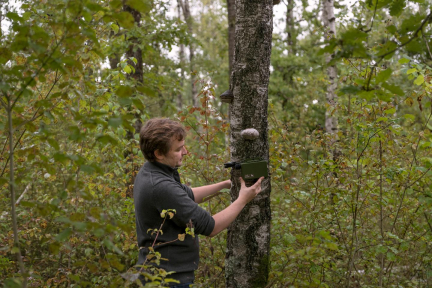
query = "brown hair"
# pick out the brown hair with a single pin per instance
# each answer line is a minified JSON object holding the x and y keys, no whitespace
{"x":157,"y":134}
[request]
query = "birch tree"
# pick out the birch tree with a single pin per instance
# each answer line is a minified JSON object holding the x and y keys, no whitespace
{"x":247,"y":262}
{"x":329,"y":23}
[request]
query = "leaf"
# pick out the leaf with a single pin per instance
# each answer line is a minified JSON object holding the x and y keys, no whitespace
{"x":409,"y":116}
{"x":419,"y":80}
{"x":409,"y":101}
{"x":396,"y":7}
{"x":163,"y":213}
{"x":394,"y":89}
{"x":139,"y":5}
{"x":412,"y":70}
{"x":124,"y":91}
{"x":171,"y":215}
{"x":386,"y":48}
{"x":383,"y":75}
{"x":14,"y":16}
{"x":368,"y":95}
{"x":64,"y":235}
{"x":115,"y":28}
{"x":53,"y":143}
{"x":127,"y":69}
{"x":110,"y":245}
{"x":116,"y":4}
{"x":115,"y":122}
{"x":148,"y":91}
{"x":390,"y":111}
{"x":12,"y":283}
{"x":105,"y":139}
{"x":392,"y":29}
{"x":382,"y":95}
{"x":403,"y":61}
{"x":350,"y":89}
{"x":5,"y":55}
{"x":138,"y":104}
{"x":181,"y":237}
{"x":3,"y":181}
{"x":125,"y":19}
{"x":131,"y":277}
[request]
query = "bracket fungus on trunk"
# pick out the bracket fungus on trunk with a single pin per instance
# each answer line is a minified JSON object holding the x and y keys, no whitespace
{"x":249,"y":134}
{"x":227,"y":96}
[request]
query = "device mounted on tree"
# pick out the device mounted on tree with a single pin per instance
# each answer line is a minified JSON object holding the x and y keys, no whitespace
{"x":250,"y":169}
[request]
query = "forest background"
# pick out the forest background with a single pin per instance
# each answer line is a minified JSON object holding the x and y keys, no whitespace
{"x":350,"y":208}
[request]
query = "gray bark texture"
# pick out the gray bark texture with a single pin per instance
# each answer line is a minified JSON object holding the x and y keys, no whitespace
{"x":231,"y":34}
{"x":247,"y":258}
{"x":329,"y":23}
{"x":189,"y":21}
{"x":181,"y":56}
{"x":290,"y":27}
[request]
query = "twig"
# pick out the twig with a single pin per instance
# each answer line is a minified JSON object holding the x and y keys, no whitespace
{"x":22,"y":195}
{"x":373,"y":18}
{"x":427,"y":45}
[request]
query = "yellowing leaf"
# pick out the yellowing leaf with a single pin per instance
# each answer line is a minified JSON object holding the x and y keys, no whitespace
{"x":419,"y":80}
{"x":409,"y":101}
{"x":171,"y":214}
{"x":20,"y":59}
{"x":181,"y":237}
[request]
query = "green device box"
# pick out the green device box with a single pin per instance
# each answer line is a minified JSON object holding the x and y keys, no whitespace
{"x":254,"y":169}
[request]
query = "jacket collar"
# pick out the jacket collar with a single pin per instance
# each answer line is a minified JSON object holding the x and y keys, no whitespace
{"x":172,"y":172}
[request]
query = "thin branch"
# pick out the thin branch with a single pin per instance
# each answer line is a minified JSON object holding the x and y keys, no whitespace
{"x":373,"y":18}
{"x":22,"y":195}
{"x":427,"y":45}
{"x":427,"y":220}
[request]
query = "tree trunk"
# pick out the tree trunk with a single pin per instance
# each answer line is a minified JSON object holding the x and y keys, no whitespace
{"x":231,"y":34}
{"x":290,"y":27}
{"x":134,"y":50}
{"x":181,"y":56}
{"x":188,"y":19}
{"x":247,"y":258}
{"x":330,"y":26}
{"x":137,"y":75}
{"x":114,"y":58}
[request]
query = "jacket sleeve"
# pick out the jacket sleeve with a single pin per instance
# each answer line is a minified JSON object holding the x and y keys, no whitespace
{"x":172,"y":195}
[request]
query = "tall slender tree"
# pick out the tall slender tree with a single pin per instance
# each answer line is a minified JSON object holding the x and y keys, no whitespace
{"x":134,"y":51}
{"x":247,"y":258}
{"x":329,"y":22}
{"x":231,"y":34}
{"x":189,"y":22}
{"x":181,"y":56}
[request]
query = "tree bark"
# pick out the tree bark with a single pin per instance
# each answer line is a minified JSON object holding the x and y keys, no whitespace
{"x":290,"y":27}
{"x":330,"y":25}
{"x":137,"y":75}
{"x":181,"y":56}
{"x":231,"y":34}
{"x":134,"y":50}
{"x":188,"y":19}
{"x":114,"y":58}
{"x":247,"y":258}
